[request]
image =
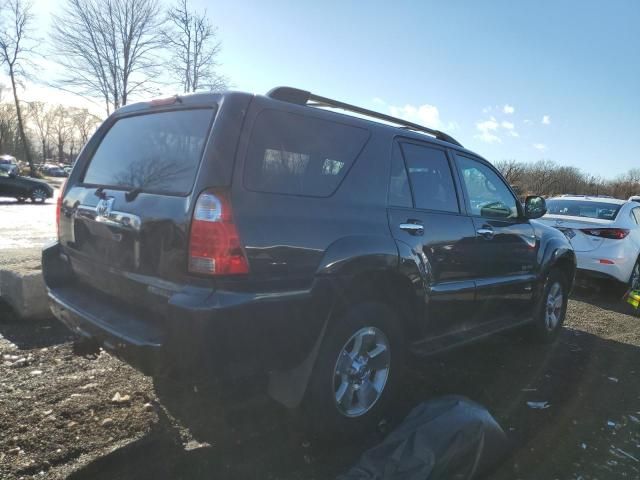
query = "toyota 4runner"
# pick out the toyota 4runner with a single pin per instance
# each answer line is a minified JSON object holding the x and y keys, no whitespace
{"x":235,"y":235}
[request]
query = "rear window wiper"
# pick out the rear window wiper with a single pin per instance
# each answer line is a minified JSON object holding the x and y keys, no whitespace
{"x":131,"y":195}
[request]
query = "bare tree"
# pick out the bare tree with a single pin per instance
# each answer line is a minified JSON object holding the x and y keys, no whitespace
{"x":194,"y":46}
{"x":108,"y":47}
{"x":15,"y":23}
{"x":42,"y":117}
{"x":8,"y":130}
{"x":84,"y":124}
{"x":511,"y":170}
{"x":62,"y":130}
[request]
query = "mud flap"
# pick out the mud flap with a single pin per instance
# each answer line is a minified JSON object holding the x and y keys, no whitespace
{"x":288,"y":387}
{"x":445,"y":438}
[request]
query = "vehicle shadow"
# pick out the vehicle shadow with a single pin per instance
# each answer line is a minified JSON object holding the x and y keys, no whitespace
{"x":573,"y":376}
{"x":29,"y":334}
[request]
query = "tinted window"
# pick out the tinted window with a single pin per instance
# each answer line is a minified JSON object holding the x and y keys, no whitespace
{"x":299,"y":155}
{"x":430,"y":176}
{"x":488,"y":195}
{"x":583,"y":208}
{"x":157,"y":152}
{"x":399,"y":190}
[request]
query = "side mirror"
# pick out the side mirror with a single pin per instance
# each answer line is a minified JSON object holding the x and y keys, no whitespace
{"x":534,"y":207}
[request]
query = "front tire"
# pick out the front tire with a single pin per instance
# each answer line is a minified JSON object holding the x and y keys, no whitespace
{"x":357,"y":371}
{"x":634,"y":279}
{"x":552,"y":310}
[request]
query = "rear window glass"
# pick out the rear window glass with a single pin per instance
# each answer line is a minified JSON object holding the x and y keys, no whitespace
{"x":158,"y":152}
{"x":298,"y":155}
{"x":580,"y":208}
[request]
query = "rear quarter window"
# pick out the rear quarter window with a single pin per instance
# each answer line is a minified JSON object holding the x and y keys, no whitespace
{"x":300,"y":155}
{"x":154,"y":152}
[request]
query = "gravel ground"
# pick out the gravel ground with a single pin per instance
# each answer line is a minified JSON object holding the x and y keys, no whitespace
{"x":92,"y":417}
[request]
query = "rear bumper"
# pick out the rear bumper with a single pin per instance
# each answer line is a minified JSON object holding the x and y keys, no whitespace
{"x":589,"y":263}
{"x":205,"y":333}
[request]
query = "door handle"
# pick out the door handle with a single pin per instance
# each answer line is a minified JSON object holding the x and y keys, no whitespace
{"x":412,"y":228}
{"x":485,"y":232}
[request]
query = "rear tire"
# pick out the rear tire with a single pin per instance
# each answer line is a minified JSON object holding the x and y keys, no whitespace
{"x":552,"y":310}
{"x":634,"y":284}
{"x":39,"y":195}
{"x":357,"y":371}
{"x":634,"y":279}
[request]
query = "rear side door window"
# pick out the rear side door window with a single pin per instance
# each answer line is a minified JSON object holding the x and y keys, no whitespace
{"x":487,"y":194}
{"x":430,"y":178}
{"x":635,"y":214}
{"x":300,"y":155}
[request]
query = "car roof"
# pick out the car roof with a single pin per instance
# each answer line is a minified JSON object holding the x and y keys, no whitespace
{"x":215,"y":97}
{"x":587,"y":198}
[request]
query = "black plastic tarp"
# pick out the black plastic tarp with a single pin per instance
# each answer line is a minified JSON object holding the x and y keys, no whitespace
{"x":445,"y":438}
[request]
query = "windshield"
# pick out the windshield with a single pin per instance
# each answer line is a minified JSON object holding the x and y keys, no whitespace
{"x":583,"y":208}
{"x":157,"y":152}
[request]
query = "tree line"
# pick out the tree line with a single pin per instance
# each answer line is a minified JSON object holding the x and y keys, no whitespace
{"x":53,"y":132}
{"x":108,"y":49}
{"x":547,"y":178}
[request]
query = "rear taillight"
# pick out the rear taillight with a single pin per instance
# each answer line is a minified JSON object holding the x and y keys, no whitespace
{"x":214,"y":243}
{"x":612,"y":233}
{"x":59,"y":208}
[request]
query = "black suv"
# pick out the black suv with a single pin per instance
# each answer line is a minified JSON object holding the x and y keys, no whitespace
{"x":235,"y":235}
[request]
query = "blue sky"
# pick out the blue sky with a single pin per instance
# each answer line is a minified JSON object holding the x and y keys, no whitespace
{"x":486,"y":72}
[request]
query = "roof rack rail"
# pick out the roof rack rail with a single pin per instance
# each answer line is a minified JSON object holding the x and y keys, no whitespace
{"x":302,"y":97}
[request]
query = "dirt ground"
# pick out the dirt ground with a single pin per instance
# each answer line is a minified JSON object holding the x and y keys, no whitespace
{"x":60,"y":416}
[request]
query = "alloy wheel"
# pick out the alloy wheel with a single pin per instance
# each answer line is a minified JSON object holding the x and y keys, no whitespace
{"x":39,"y":195}
{"x":634,"y":281}
{"x":361,"y":371}
{"x":554,"y":305}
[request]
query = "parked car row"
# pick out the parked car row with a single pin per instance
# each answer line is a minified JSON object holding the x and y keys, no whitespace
{"x":53,"y":170}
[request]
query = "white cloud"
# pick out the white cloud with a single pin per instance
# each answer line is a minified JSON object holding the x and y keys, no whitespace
{"x":426,"y":115}
{"x":378,"y":101}
{"x":487,"y":109}
{"x":513,"y":133}
{"x":486,"y":131}
{"x":487,"y":125}
{"x":546,"y":120}
{"x":507,"y":125}
{"x":540,"y":146}
{"x":508,"y":109}
{"x":527,"y":121}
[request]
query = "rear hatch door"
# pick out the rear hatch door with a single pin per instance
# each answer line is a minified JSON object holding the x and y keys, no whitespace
{"x":125,"y":221}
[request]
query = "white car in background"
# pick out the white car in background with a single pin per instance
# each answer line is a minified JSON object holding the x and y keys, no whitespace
{"x":604,"y":232}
